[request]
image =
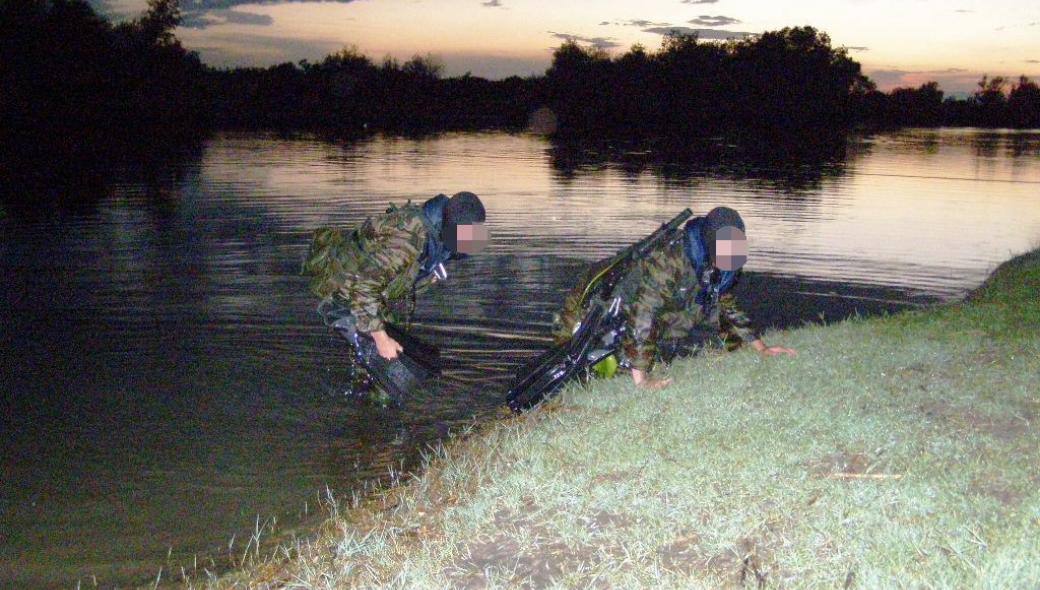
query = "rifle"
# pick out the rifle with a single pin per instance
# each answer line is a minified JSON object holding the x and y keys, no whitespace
{"x":596,"y":336}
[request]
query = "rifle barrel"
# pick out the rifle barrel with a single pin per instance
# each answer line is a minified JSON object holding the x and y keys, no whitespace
{"x":636,"y":251}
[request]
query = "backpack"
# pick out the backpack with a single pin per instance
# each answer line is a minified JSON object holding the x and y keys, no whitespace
{"x":324,"y":261}
{"x":335,"y":253}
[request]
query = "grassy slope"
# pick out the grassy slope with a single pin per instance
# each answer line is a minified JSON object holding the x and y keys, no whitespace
{"x":893,"y":452}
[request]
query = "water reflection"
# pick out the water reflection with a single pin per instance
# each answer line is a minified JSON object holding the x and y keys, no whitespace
{"x":169,"y":380}
{"x":32,"y":185}
{"x":780,"y":165}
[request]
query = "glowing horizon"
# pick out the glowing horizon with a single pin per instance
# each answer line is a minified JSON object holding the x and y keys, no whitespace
{"x":898,"y":43}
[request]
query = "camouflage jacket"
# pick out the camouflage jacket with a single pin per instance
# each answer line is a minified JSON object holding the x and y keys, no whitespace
{"x":658,"y":298}
{"x":374,"y":268}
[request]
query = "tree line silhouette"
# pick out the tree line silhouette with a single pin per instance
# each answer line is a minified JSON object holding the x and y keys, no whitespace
{"x":72,"y":79}
{"x":998,"y":102}
{"x":347,"y":93}
{"x":79,"y":94}
{"x":788,"y":81}
{"x":67,"y":72}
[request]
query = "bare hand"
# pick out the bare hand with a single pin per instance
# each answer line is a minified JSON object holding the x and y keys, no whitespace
{"x":655,"y":384}
{"x":777,"y":351}
{"x":388,"y":347}
{"x":646,"y":382}
{"x":765,"y":350}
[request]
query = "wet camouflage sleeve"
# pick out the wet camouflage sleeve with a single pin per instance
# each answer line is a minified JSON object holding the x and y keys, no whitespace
{"x":656,"y":281}
{"x":386,"y":270}
{"x":734,"y":323}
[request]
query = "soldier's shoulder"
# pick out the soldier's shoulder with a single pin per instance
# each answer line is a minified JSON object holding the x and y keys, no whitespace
{"x":406,"y":218}
{"x":397,"y":228}
{"x":665,"y":264}
{"x":669,"y":253}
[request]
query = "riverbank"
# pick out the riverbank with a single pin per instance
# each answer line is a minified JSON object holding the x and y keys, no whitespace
{"x":893,"y":451}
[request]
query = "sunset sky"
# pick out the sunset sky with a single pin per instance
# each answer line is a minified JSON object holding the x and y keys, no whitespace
{"x":899,"y":42}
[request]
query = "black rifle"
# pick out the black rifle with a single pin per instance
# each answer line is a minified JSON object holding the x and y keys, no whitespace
{"x":596,"y":336}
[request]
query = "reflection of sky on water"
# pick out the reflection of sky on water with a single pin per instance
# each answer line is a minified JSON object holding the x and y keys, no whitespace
{"x":930,"y":209}
{"x":169,"y":380}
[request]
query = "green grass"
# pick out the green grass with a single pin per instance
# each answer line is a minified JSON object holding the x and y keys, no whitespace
{"x":893,"y":452}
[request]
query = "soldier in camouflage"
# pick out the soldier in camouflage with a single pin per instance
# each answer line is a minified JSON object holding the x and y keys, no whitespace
{"x":679,"y":293}
{"x":370,"y":275}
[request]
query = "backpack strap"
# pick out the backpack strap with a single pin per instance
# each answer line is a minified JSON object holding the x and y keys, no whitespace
{"x":714,"y":283}
{"x":434,"y":254}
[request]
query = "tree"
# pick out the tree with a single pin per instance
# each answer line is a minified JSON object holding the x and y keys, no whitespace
{"x":1023,"y":104}
{"x":157,"y":25}
{"x":794,"y":79}
{"x":579,"y":82}
{"x":696,"y":84}
{"x":423,"y":67}
{"x":916,"y":106}
{"x":990,"y":101}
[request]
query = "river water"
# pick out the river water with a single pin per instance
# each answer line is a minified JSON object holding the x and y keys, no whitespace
{"x":167,"y":387}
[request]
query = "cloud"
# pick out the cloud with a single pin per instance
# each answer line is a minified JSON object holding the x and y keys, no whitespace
{"x":606,"y":22}
{"x":1033,"y":61}
{"x":699,"y":1}
{"x":641,"y":23}
{"x":713,"y":21}
{"x":118,"y":10}
{"x":858,"y":48}
{"x":202,"y":14}
{"x":703,"y":34}
{"x":597,"y":42}
{"x":209,"y":18}
{"x":1005,"y":27}
{"x":103,"y":7}
{"x":964,"y":11}
{"x":492,"y":4}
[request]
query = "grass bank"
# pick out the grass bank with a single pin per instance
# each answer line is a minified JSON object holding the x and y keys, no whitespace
{"x":900,"y":451}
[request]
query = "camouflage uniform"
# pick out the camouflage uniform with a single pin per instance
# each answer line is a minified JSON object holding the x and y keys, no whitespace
{"x":658,"y":298}
{"x":371,"y":270}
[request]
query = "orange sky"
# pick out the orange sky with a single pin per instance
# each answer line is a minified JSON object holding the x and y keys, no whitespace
{"x":904,"y":42}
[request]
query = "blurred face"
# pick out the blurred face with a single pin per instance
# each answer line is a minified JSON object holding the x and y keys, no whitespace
{"x":471,"y":239}
{"x":730,"y":249}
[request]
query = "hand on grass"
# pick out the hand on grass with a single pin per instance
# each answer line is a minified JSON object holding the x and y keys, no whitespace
{"x":766,"y":350}
{"x":779,"y":350}
{"x":646,"y":382}
{"x":388,"y":347}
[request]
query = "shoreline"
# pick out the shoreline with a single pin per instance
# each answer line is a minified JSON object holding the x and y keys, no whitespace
{"x":907,"y":462}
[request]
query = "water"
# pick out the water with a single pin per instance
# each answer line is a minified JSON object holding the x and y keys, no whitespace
{"x":167,"y":386}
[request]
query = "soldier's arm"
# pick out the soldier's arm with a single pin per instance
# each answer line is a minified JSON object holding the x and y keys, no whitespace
{"x":655,"y":285}
{"x":734,"y":322}
{"x":389,"y":253}
{"x":640,"y":346}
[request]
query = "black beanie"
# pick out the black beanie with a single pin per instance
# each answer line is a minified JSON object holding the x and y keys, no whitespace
{"x":716,"y":219}
{"x":463,"y":208}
